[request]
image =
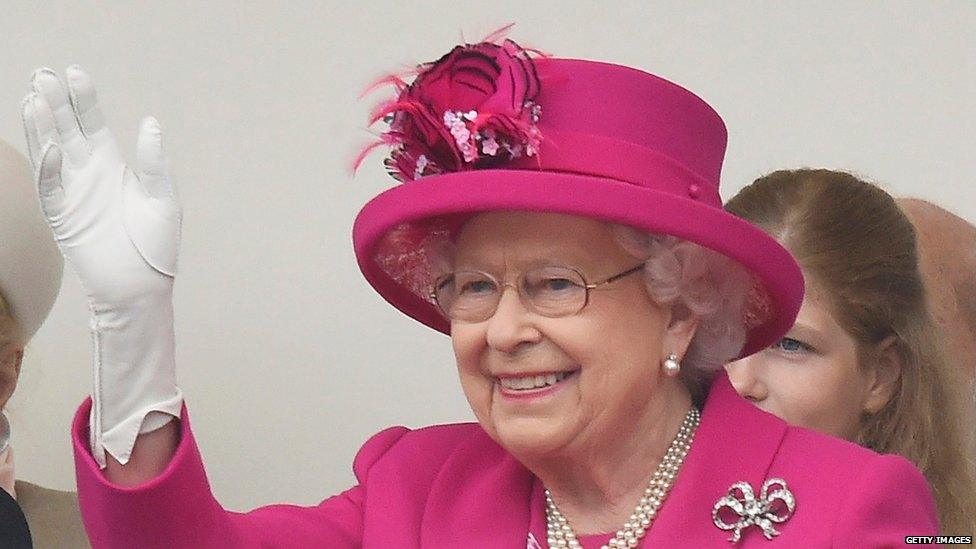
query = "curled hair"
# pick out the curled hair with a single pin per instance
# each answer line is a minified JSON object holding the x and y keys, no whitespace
{"x":10,"y":332}
{"x":856,"y":245}
{"x":11,"y":339}
{"x":707,"y":284}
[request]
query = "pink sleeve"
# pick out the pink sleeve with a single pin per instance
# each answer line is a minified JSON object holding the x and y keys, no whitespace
{"x":177,"y":509}
{"x":891,"y":500}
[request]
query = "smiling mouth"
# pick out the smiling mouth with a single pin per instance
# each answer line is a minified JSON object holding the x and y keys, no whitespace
{"x":532,"y":382}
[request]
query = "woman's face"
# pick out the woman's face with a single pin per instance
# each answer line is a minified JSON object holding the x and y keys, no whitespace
{"x":605,"y":360}
{"x":811,"y":377}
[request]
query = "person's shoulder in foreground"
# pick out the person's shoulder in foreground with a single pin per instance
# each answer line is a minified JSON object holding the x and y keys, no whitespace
{"x":14,"y":532}
{"x":54,"y":516}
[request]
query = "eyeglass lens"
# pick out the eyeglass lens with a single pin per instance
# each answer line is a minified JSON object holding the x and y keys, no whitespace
{"x":474,"y":295}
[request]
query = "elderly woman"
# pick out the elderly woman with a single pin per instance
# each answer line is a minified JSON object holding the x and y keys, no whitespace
{"x":30,"y":278}
{"x":560,"y":219}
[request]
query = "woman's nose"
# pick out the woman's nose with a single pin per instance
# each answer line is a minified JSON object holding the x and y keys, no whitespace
{"x":511,"y":325}
{"x":746,"y":376}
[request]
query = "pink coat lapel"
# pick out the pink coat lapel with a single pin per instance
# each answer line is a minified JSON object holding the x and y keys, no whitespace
{"x":719,"y":457}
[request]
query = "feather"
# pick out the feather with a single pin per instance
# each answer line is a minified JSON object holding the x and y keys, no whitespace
{"x":498,"y":34}
{"x":397,"y":80}
{"x":385,"y":139}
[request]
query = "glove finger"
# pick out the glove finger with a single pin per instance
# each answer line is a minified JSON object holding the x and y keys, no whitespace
{"x":47,"y":83}
{"x":43,"y":120}
{"x":84,"y":102}
{"x":43,"y":124}
{"x":30,"y":130}
{"x":49,"y":188}
{"x":151,"y":166}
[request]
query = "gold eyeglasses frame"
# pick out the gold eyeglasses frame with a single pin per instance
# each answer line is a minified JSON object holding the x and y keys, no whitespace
{"x":527,"y":301}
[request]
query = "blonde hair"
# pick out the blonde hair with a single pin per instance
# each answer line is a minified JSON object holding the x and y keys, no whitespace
{"x":10,"y":332}
{"x":11,"y":338}
{"x":851,"y":238}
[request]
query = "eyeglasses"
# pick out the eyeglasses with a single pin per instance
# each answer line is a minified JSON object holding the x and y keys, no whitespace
{"x":473,"y":296}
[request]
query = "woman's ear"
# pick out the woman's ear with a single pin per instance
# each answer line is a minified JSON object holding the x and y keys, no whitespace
{"x":681,"y":328}
{"x":884,"y":376}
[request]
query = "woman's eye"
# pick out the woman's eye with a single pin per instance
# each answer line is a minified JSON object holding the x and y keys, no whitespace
{"x":790,"y":345}
{"x":558,"y":284}
{"x":475,"y":287}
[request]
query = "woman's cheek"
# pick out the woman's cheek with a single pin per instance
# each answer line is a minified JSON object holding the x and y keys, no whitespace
{"x":467,"y":350}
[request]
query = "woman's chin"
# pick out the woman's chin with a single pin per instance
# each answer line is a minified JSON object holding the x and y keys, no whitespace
{"x":534,"y":421}
{"x":531,"y":436}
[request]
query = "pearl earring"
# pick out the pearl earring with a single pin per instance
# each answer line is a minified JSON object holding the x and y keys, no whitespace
{"x":671,"y":365}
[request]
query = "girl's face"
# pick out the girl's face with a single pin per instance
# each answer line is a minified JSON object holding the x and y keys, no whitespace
{"x":811,"y":378}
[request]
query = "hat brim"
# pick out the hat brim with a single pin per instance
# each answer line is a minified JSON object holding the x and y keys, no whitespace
{"x":31,"y":264}
{"x":600,"y":198}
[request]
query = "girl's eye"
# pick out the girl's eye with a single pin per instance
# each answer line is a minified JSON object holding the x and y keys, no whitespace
{"x":790,"y":345}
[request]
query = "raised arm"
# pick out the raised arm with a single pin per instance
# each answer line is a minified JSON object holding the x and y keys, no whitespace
{"x":119,"y":229}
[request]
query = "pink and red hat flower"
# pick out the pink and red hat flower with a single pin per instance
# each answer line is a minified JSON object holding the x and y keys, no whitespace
{"x":475,"y":107}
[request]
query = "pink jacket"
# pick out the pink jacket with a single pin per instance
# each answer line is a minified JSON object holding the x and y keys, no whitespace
{"x":452,"y":486}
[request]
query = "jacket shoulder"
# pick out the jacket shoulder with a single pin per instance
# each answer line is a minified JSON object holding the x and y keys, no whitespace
{"x":833,"y":460}
{"x":889,"y":500}
{"x":864,"y":498}
{"x":426,"y":448}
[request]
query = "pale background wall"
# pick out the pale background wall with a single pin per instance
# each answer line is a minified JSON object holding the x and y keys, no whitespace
{"x":288,"y":359}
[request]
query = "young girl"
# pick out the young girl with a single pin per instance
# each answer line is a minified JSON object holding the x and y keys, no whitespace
{"x":864,"y":360}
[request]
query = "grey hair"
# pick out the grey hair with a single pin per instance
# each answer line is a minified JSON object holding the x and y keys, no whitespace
{"x":710,"y":285}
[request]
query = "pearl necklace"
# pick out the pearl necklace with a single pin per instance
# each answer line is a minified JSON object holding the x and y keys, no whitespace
{"x":561,"y":534}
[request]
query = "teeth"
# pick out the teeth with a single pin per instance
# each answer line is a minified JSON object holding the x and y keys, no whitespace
{"x":532,"y":382}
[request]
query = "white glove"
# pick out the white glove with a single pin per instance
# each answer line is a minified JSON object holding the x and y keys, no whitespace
{"x":120,"y":231}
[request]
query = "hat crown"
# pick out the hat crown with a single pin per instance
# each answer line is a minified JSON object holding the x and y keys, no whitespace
{"x":625,"y":104}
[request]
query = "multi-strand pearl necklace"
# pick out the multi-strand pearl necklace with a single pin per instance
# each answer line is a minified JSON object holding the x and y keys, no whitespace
{"x":561,"y":534}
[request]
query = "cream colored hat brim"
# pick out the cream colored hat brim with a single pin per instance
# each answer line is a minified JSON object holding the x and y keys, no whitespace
{"x":30,"y":262}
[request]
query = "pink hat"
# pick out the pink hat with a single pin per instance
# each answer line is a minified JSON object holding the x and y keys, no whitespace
{"x":492,"y":126}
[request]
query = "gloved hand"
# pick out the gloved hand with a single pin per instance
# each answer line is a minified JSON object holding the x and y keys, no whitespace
{"x":119,"y":229}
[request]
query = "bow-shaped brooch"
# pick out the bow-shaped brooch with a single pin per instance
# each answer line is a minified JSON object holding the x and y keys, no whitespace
{"x":763,"y":512}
